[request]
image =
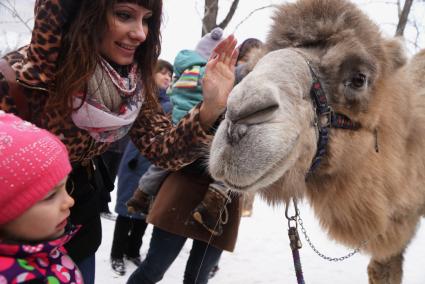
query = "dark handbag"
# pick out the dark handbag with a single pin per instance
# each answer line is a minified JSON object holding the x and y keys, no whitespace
{"x":15,"y":91}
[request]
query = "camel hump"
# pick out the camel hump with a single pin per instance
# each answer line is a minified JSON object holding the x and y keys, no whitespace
{"x":309,"y":23}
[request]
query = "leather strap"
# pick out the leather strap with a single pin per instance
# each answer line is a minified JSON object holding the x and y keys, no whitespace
{"x":15,"y":90}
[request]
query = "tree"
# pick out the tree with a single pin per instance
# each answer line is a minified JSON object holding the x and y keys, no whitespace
{"x":403,"y":17}
{"x":211,"y":9}
{"x":209,"y":21}
{"x":10,"y":8}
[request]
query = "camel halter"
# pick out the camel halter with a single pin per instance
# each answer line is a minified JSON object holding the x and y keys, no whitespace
{"x":325,"y":119}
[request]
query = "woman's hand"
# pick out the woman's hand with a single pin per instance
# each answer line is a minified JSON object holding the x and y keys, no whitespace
{"x":218,"y":81}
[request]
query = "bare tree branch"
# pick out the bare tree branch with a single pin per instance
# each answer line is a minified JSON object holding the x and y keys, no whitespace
{"x":12,"y":10}
{"x":210,"y":16}
{"x":251,"y":13}
{"x":417,"y":29}
{"x":399,"y":9}
{"x":198,"y":11}
{"x":8,"y":47}
{"x":403,"y":18}
{"x":390,"y":2}
{"x":229,"y":15}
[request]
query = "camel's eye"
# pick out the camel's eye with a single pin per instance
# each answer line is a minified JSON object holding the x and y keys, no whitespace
{"x":358,"y":81}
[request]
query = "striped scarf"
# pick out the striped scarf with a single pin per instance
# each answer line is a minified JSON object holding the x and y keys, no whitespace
{"x":111,"y":105}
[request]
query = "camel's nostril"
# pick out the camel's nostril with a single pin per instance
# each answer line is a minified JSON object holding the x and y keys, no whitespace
{"x":235,"y":132}
{"x":242,"y":130}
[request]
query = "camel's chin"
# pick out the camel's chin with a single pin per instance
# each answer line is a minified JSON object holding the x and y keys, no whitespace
{"x":264,"y":181}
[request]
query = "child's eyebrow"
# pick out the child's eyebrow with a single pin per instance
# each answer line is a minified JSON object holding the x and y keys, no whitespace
{"x":50,"y":193}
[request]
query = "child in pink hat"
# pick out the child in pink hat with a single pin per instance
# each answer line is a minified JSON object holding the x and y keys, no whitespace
{"x":34,"y":205}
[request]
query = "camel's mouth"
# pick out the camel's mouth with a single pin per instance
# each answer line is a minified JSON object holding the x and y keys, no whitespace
{"x":243,"y":170}
{"x":265,"y":179}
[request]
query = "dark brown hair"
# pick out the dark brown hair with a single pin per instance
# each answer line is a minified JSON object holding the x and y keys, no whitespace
{"x":163,"y":64}
{"x":246,"y":47}
{"x":79,"y":53}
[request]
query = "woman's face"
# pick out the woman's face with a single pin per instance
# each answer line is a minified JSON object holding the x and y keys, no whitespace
{"x":127,"y":29}
{"x":45,"y":220}
{"x":163,"y":78}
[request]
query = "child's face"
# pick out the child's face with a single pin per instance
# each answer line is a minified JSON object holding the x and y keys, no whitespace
{"x":45,"y":220}
{"x":163,"y":79}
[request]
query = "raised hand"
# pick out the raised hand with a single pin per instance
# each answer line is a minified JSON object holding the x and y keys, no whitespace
{"x":218,"y":80}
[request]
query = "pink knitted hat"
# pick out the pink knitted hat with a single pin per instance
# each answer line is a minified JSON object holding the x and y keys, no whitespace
{"x":32,"y":162}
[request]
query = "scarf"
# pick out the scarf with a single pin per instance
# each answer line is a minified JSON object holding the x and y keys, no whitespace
{"x":43,"y":262}
{"x":112,"y":103}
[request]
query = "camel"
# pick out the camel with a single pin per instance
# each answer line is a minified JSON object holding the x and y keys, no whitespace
{"x":332,"y":112}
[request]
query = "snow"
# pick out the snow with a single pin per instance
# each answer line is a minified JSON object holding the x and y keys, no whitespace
{"x":262,"y":254}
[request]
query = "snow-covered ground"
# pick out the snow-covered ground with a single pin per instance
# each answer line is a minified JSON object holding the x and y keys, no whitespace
{"x":262,"y":255}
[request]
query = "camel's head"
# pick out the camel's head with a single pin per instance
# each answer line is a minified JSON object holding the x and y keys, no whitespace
{"x":268,"y":137}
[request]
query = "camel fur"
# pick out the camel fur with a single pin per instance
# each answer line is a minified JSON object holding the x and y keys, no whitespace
{"x":370,"y":185}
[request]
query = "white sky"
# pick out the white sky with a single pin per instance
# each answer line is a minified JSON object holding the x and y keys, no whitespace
{"x":182,"y":21}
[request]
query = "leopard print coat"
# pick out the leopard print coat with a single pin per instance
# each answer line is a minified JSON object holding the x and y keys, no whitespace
{"x":167,"y":146}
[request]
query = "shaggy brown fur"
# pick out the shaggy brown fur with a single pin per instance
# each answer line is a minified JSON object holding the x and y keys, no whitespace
{"x":371,"y":184}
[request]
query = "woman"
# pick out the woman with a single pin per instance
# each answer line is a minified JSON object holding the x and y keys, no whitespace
{"x":87,"y":77}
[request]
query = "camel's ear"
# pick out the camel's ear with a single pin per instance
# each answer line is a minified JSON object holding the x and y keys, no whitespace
{"x":395,"y":51}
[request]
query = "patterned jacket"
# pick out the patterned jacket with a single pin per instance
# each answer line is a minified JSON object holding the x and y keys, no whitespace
{"x":38,"y":263}
{"x":154,"y":135}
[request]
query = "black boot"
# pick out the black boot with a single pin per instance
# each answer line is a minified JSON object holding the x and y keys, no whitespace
{"x":118,"y":266}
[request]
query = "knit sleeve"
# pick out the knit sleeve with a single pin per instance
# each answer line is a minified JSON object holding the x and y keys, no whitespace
{"x":167,"y":146}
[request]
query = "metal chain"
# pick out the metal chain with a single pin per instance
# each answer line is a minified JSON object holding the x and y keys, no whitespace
{"x":332,"y":259}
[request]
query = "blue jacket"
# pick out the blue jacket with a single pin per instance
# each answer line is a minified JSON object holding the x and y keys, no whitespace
{"x":189,"y":68}
{"x":164,"y":100}
{"x":133,"y":165}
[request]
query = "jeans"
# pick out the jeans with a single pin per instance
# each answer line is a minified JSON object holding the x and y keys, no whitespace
{"x":163,"y":250}
{"x":88,"y":268}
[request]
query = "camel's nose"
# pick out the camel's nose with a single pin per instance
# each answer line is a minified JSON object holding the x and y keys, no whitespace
{"x":252,"y":107}
{"x":245,"y":109}
{"x":235,"y":132}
